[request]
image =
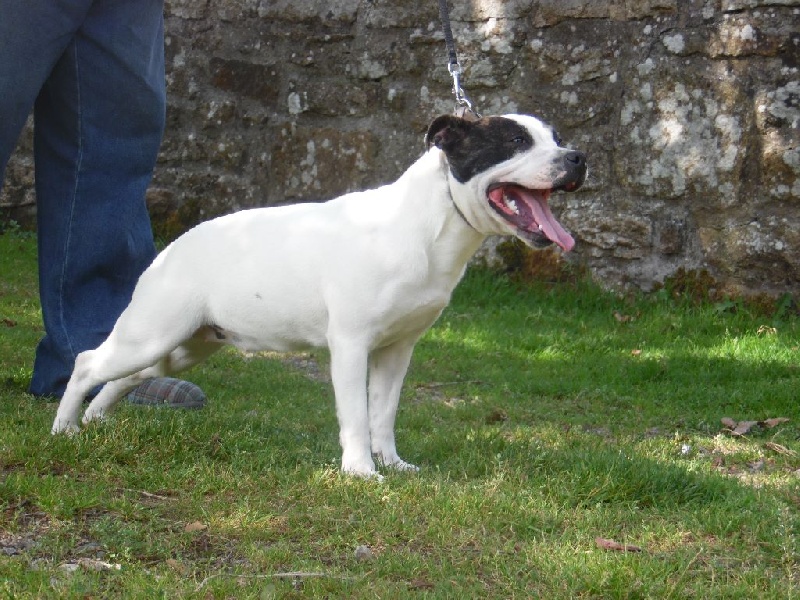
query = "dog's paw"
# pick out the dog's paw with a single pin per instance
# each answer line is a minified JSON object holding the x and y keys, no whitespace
{"x":364,"y":468}
{"x":374,"y":476}
{"x":402,"y":465}
{"x":65,"y":427}
{"x":396,"y":463}
{"x":93,"y":415}
{"x":368,"y":475}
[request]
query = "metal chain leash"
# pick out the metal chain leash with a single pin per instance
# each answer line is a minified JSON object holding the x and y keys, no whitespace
{"x":463,"y":105}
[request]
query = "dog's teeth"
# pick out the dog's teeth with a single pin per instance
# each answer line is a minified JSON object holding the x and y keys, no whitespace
{"x":512,"y":204}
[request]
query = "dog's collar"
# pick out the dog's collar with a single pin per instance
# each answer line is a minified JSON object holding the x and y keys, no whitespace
{"x":460,"y":214}
{"x":453,"y":201}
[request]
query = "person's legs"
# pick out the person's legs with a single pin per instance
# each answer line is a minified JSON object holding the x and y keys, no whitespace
{"x":98,"y":123}
{"x":33,"y":35}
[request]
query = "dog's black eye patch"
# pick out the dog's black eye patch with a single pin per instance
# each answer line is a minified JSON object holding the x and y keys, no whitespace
{"x":485,"y":143}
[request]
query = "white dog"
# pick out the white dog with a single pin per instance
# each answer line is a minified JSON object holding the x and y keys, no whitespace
{"x":365,"y":274}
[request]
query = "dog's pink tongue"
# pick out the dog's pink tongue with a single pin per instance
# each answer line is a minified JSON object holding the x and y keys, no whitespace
{"x":550,"y":227}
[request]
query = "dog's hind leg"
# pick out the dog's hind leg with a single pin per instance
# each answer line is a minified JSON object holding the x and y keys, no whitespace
{"x":111,"y":393}
{"x":113,"y":359}
{"x":191,"y":352}
{"x":109,"y":362}
{"x":388,"y":368}
{"x":115,"y":362}
{"x":78,"y":386}
{"x":135,"y":344}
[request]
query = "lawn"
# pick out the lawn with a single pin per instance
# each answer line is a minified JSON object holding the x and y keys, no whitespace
{"x":570,"y":441}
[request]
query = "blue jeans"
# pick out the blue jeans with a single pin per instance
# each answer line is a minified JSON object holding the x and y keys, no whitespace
{"x":93,"y":73}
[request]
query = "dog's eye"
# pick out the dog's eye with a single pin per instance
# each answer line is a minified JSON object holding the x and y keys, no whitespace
{"x":557,"y":138}
{"x":520,"y":140}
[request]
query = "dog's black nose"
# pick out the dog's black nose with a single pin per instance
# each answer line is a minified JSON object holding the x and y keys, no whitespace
{"x":575,"y":159}
{"x":574,"y":171}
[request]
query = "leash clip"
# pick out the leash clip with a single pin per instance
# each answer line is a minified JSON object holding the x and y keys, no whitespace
{"x":463,"y":107}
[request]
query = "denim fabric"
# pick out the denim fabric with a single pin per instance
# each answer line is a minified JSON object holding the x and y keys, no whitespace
{"x":93,"y":72}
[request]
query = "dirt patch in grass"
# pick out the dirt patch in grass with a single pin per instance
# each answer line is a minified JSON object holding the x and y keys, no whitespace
{"x":23,"y":525}
{"x":308,"y":365}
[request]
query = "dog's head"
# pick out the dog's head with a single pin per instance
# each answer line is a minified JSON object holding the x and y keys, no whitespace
{"x":503,"y":170}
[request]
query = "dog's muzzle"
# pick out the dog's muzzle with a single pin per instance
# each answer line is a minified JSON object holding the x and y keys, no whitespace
{"x":528,"y":209}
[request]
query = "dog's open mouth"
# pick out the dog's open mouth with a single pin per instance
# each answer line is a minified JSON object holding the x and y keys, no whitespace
{"x":528,"y":211}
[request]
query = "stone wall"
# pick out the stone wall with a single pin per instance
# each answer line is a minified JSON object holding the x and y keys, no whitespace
{"x":688,"y":110}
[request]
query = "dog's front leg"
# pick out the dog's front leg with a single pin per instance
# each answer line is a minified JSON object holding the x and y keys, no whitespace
{"x":388,"y":368}
{"x":349,"y":375}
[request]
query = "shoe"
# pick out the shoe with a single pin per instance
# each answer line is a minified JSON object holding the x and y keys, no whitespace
{"x":168,"y":392}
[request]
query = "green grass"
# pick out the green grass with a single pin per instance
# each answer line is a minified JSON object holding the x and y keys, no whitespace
{"x":540,"y":420}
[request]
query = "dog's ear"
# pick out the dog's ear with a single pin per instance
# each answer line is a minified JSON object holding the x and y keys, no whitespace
{"x":446,"y":132}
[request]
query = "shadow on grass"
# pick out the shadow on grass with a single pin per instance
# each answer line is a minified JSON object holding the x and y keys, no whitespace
{"x":582,"y":473}
{"x":568,"y":348}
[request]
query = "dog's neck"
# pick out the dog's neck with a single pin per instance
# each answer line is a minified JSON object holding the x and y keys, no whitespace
{"x":455,"y":239}
{"x":461,"y":214}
